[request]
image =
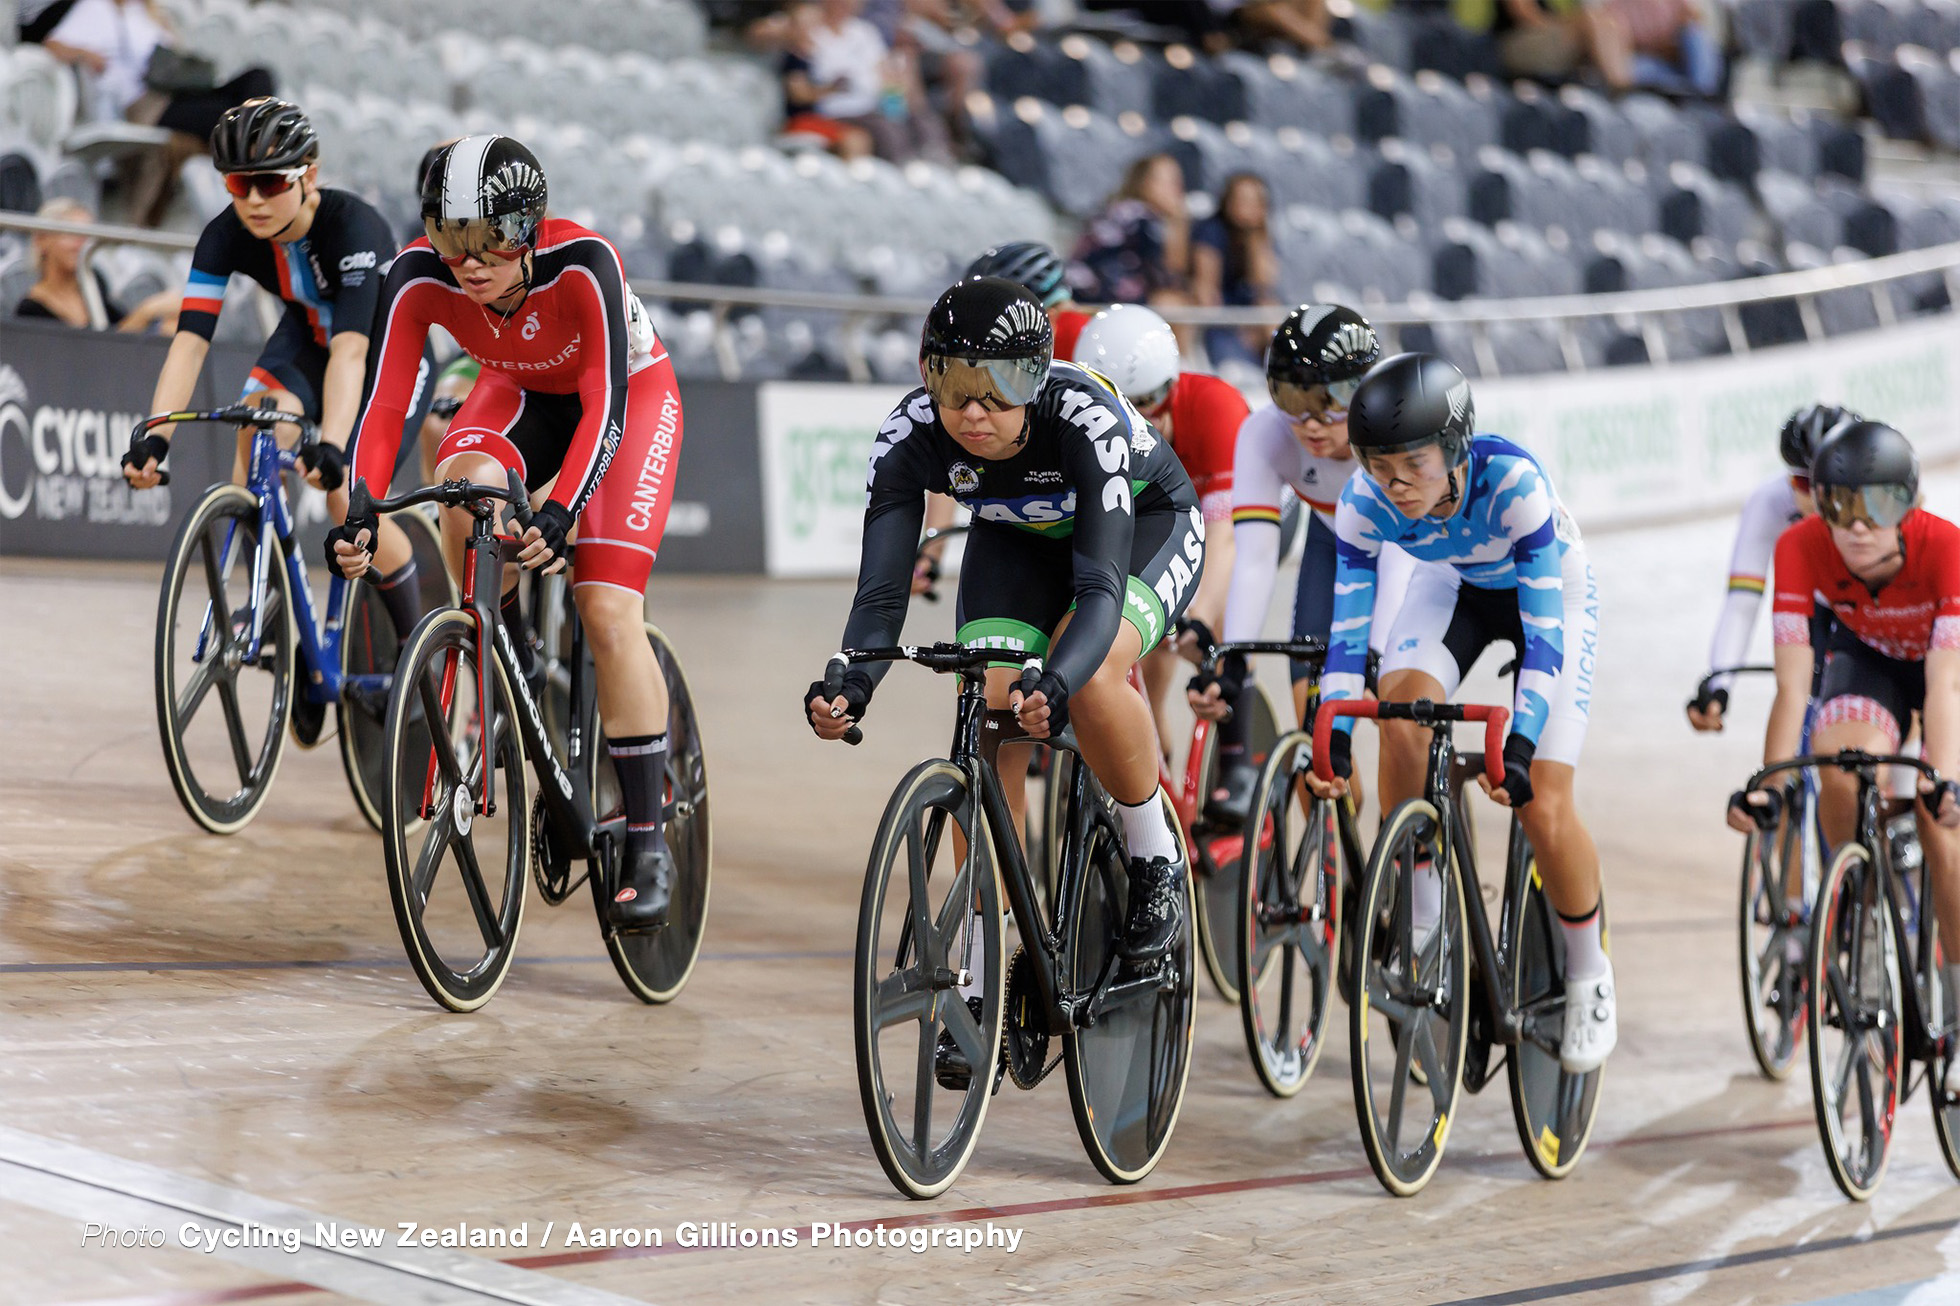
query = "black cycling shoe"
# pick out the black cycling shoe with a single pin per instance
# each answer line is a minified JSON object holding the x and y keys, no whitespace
{"x":1156,"y":914}
{"x":949,"y":1065}
{"x":1231,"y":797}
{"x":646,"y":890}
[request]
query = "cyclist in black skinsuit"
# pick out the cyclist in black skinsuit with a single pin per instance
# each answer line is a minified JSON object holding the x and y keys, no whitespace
{"x":324,"y":252}
{"x":1085,"y":531}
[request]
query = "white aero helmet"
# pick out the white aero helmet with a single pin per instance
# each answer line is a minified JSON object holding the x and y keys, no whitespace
{"x":1134,"y":348}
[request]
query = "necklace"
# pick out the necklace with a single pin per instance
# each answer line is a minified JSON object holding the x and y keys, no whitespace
{"x":490,"y":319}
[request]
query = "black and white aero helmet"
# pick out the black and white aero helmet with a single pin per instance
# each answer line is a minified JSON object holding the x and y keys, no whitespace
{"x":483,"y":193}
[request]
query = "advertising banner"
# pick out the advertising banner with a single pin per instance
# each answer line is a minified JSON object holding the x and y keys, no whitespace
{"x":816,"y":450}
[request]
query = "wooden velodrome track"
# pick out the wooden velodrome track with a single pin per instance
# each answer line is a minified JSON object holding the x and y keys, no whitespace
{"x":200,"y":1036}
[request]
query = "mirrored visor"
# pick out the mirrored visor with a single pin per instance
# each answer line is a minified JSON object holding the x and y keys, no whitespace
{"x":1880,"y":507}
{"x":996,"y":383}
{"x":457,"y":240}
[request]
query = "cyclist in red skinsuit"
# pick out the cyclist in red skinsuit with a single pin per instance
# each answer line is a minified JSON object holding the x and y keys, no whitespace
{"x":1200,"y":414}
{"x":577,"y":396}
{"x":1888,"y":572}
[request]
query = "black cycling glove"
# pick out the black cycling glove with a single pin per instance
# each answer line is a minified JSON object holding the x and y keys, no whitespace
{"x":1055,"y":689}
{"x":1207,"y":641}
{"x":1931,"y":800}
{"x":1716,"y":698}
{"x":1518,"y":752}
{"x":330,"y":460}
{"x":1766,"y":813}
{"x":1229,"y":676}
{"x":143,"y":450}
{"x":856,"y":691}
{"x":350,"y":531}
{"x":554,"y":523}
{"x":1340,"y":754}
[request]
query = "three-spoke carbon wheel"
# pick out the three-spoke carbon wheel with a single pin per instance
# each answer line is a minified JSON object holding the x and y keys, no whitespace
{"x":369,"y":648}
{"x":1129,"y":1057}
{"x":1772,"y":951}
{"x":456,"y":879}
{"x":222,"y":709}
{"x":928,"y":917}
{"x":1554,"y":1108}
{"x":1289,"y":916}
{"x":1856,"y":1053}
{"x":1219,"y":863}
{"x":1408,"y":1031}
{"x":654,"y":966}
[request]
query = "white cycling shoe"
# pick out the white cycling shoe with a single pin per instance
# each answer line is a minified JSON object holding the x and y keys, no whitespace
{"x":1592,"y":1024}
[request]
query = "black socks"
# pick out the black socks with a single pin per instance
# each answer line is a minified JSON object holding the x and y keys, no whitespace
{"x":641,"y":761}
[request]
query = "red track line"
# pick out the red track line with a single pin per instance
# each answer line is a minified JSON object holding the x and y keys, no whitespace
{"x":967,"y":1215}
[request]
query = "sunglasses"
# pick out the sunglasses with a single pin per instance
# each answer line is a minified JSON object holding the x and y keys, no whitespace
{"x":996,"y":384}
{"x":486,"y":240}
{"x":1880,"y":507}
{"x":267,"y":184}
{"x":1326,"y":404}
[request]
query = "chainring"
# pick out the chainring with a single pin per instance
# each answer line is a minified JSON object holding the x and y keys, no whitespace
{"x":1025,"y":1029}
{"x":550,"y":868}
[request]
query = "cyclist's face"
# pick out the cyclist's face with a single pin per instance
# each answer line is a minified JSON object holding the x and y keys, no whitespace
{"x":264,"y":215}
{"x":488,"y":280}
{"x":1319,"y":438}
{"x":1415,"y":482}
{"x":1865,"y":548}
{"x":984,"y":432}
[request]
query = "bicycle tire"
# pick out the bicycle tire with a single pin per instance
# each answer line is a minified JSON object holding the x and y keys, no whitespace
{"x":1218,"y":864}
{"x":1854,"y":965}
{"x":370,"y":645}
{"x":1382,"y":942}
{"x":893,"y":984}
{"x":655,"y":966}
{"x":1775,"y":994}
{"x":1942,"y":1081}
{"x":1143,"y":1043}
{"x":1554,"y":1109}
{"x":446,"y":642}
{"x":1288,"y":932}
{"x":218,"y":538}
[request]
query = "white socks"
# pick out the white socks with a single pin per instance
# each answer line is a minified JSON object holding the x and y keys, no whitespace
{"x":1145,"y":831}
{"x":1585,"y":957}
{"x":1425,"y":900}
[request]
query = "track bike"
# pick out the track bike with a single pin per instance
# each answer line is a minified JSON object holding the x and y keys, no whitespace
{"x":931,"y":921}
{"x":466,"y":781}
{"x":1430,"y":1008}
{"x":1878,"y":1005}
{"x":238,"y":632}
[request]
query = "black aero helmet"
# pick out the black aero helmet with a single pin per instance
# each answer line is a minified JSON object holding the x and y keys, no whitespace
{"x":1319,"y":345}
{"x":1026,"y":262}
{"x":1864,"y":471}
{"x":482,"y":194}
{"x":988,"y":339}
{"x":1805,"y":429}
{"x":1409,"y":401}
{"x":263,"y":135}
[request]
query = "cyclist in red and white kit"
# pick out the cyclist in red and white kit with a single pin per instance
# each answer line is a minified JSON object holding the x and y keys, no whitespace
{"x":1772,"y":507}
{"x":1136,"y":351}
{"x":1888,"y":572}
{"x":577,"y":396}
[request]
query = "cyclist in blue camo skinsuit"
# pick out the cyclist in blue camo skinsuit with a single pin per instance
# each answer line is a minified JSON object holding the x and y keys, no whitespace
{"x":1498,"y":558}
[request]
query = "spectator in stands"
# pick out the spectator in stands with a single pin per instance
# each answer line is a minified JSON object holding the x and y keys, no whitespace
{"x":838,"y":71}
{"x":803,"y":93}
{"x":1218,"y":25}
{"x":37,"y":18}
{"x":113,"y":42}
{"x":1673,"y":50}
{"x":1233,"y":264}
{"x":1138,"y":249}
{"x":943,"y":37}
{"x":57,"y":293}
{"x":1552,"y":40}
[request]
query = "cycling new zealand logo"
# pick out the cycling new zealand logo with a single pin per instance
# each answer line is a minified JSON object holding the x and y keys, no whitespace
{"x":963,"y":479}
{"x":63,"y":463}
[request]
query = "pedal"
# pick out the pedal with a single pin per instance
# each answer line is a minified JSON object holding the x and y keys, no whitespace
{"x":1025,"y":1029}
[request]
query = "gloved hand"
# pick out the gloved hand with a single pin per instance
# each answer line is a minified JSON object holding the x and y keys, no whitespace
{"x":329,"y":460}
{"x":151,"y":448}
{"x":1229,"y":676}
{"x":359,"y":532}
{"x":1706,"y":712}
{"x":1766,"y":813}
{"x":553,"y":523}
{"x":1340,"y":754}
{"x":1054,"y":690}
{"x":1204,"y":641}
{"x":1518,"y":752}
{"x":817,"y":705}
{"x":1937,"y":804}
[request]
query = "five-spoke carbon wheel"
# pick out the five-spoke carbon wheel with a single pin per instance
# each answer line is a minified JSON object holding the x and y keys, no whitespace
{"x":1856,"y":1053}
{"x":1772,"y":952}
{"x":1219,"y":863}
{"x":928,"y":919}
{"x":224,"y":666}
{"x":1554,"y":1108}
{"x":456,"y":879}
{"x":1409,"y":1030}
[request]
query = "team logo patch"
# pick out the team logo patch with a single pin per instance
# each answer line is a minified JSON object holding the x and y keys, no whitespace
{"x":965,"y":480}
{"x":514,"y":178}
{"x":1459,"y":399}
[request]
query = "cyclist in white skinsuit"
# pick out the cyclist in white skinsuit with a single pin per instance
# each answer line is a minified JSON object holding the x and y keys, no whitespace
{"x":1777,"y":504}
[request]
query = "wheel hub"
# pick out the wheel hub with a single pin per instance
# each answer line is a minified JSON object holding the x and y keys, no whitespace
{"x":461,"y":810}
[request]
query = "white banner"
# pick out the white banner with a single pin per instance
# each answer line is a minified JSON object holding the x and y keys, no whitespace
{"x":1623,"y":445}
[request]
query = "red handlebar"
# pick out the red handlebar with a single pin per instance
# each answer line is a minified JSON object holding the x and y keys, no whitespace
{"x":1494,"y":719}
